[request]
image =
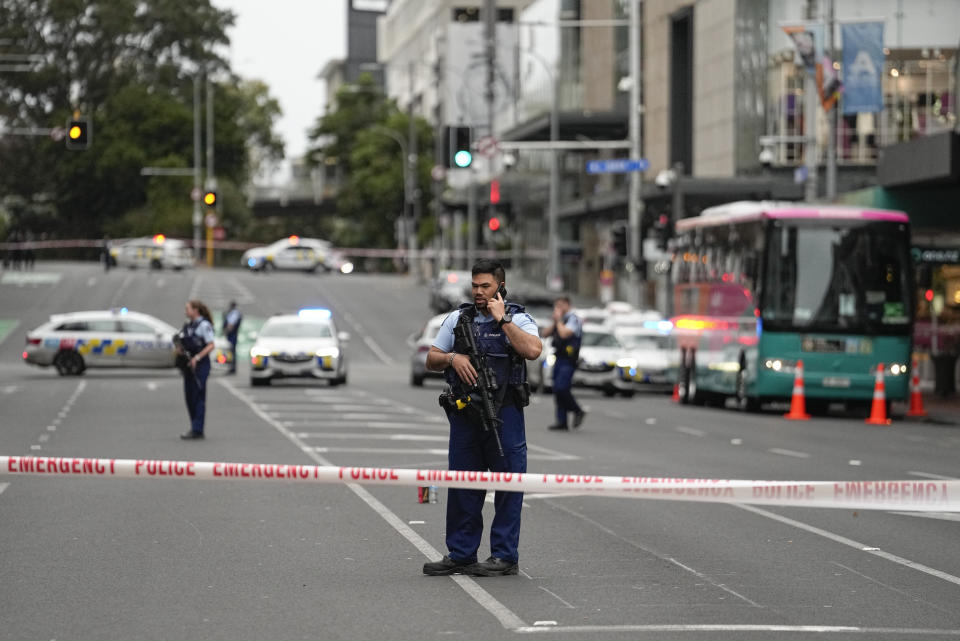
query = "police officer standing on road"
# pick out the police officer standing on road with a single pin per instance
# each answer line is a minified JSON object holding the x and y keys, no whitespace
{"x":231,"y":327}
{"x":194,"y":344}
{"x":567,"y":333}
{"x":505,"y":335}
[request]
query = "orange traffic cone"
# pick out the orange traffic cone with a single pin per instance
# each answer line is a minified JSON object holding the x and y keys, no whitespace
{"x":676,"y":393}
{"x":798,"y":403}
{"x":916,"y":398}
{"x":878,"y":411}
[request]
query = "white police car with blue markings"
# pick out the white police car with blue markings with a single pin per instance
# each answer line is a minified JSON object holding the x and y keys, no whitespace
{"x":109,"y":338}
{"x":302,"y":345}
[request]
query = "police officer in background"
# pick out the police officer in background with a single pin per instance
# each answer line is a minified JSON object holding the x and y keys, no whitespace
{"x":194,"y":344}
{"x":567,"y":333}
{"x":231,"y":328}
{"x":506,"y":336}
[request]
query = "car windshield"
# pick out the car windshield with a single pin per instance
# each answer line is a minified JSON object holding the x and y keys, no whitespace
{"x":296,"y":330}
{"x":843,"y":276}
{"x":599,"y":339}
{"x":644,"y":341}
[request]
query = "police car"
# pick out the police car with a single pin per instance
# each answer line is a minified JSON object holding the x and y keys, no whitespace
{"x":292,"y":253}
{"x":302,"y":345}
{"x":157,"y":252}
{"x":110,"y":338}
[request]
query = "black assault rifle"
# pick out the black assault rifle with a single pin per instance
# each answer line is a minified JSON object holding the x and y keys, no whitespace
{"x":485,"y":390}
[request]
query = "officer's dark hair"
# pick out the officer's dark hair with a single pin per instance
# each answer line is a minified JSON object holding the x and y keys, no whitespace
{"x":562,"y":299}
{"x":202,"y":309}
{"x":489,"y":266}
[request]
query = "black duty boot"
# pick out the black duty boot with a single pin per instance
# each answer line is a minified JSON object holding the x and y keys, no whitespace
{"x":578,"y":418}
{"x":494,"y":567}
{"x":447,"y":566}
{"x":558,"y":426}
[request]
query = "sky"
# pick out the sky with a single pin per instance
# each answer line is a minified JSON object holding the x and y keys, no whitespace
{"x":286,"y":43}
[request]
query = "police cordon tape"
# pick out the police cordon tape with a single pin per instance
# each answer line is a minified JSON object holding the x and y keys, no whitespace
{"x":922,"y":495}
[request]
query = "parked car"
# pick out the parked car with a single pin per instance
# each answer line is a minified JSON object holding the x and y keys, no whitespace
{"x":650,"y":351}
{"x":76,"y":341}
{"x":421,"y":342}
{"x":302,"y":345}
{"x":291,"y":253}
{"x":605,"y":363}
{"x":156,"y":252}
{"x":449,"y":289}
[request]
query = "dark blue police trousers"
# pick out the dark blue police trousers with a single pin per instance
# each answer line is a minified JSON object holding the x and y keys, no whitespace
{"x":475,"y":450}
{"x":195,"y":391}
{"x":562,"y":382}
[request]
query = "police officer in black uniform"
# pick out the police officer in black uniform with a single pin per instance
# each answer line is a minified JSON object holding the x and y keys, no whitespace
{"x":506,"y":336}
{"x":231,"y":329}
{"x":194,"y":343}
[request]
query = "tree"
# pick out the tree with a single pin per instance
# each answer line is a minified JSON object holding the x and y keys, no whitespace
{"x":128,"y":66}
{"x":371,"y":197}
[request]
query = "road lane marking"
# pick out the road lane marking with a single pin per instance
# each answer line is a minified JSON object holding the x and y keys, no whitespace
{"x":372,"y":344}
{"x":942,"y":516}
{"x":9,"y":389}
{"x":6,"y":329}
{"x":855,"y":462}
{"x":902,"y":593}
{"x":3,"y":487}
{"x":502,"y":613}
{"x":117,"y":295}
{"x":373,"y":437}
{"x":790,"y":453}
{"x":928,"y":475}
{"x":724,"y":627}
{"x":651,"y":421}
{"x":374,"y":425}
{"x":651,"y":552}
{"x":736,"y":441}
{"x":555,"y":596}
{"x":851,"y":543}
{"x":692,"y":431}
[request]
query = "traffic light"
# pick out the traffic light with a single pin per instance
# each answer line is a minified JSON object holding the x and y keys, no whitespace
{"x":459,"y":155}
{"x":664,"y":229}
{"x":210,"y":198}
{"x":78,"y":133}
{"x":494,"y":192}
{"x":494,"y":223}
{"x":620,"y":240}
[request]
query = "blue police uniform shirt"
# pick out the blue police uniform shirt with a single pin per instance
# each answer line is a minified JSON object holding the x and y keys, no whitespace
{"x":444,"y":339}
{"x":572,"y":321}
{"x":233,"y":317}
{"x":205,"y":331}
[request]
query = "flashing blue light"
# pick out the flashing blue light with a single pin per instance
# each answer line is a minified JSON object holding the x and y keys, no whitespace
{"x":663,"y":326}
{"x":252,"y":262}
{"x":124,"y":310}
{"x":317,"y":313}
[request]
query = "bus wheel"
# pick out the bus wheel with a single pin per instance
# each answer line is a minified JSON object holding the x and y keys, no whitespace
{"x":745,"y":403}
{"x":694,"y":395}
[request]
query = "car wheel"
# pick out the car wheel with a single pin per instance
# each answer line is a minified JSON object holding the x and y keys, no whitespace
{"x":69,"y":363}
{"x":416,"y":381}
{"x":156,"y":264}
{"x":609,"y":392}
{"x":267,"y":266}
{"x":627,"y":393}
{"x":259,"y":382}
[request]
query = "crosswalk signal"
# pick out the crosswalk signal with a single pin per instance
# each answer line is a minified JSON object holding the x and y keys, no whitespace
{"x":78,"y":133}
{"x":620,"y":240}
{"x":210,"y":198}
{"x":459,"y":155}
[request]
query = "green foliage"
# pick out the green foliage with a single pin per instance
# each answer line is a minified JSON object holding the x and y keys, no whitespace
{"x":129,"y":67}
{"x":359,"y":136}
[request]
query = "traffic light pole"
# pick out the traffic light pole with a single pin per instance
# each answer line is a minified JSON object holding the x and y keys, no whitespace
{"x":197,"y":175}
{"x":635,"y":294}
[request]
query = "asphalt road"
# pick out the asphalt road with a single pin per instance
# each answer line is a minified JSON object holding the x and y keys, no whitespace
{"x":163,"y":559}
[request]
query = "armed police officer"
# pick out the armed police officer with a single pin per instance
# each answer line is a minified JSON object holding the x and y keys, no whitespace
{"x":567,"y":333}
{"x":194,"y":343}
{"x":485,"y":411}
{"x":231,"y":329}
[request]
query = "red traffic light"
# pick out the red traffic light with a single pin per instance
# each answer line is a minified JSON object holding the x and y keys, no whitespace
{"x":494,"y":192}
{"x":493,"y":224}
{"x":928,"y":295}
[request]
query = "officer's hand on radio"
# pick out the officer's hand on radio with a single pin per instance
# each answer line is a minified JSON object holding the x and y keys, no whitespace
{"x":464,"y":369}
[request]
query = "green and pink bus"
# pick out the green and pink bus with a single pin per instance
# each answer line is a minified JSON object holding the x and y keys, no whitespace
{"x":761,"y":286}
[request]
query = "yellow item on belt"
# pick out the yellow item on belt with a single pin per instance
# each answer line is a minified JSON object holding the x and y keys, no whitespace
{"x":462,"y":403}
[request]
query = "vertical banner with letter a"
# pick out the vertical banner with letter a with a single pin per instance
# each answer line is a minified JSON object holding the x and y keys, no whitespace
{"x":862,"y":67}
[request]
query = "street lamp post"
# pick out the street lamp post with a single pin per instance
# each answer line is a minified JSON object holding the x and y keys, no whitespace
{"x":554,"y":280}
{"x":408,"y":187}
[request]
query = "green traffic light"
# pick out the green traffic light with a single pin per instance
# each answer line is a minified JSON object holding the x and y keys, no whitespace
{"x":463,"y":158}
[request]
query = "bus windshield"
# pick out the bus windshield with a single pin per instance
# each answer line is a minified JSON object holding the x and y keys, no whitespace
{"x":846,"y":276}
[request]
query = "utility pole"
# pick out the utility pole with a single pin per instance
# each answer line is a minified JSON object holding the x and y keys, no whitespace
{"x":636,"y":294}
{"x":414,"y":190}
{"x":810,"y":151}
{"x":490,"y":37}
{"x":831,"y":186}
{"x":211,"y":176}
{"x":197,"y":170}
{"x":438,"y":158}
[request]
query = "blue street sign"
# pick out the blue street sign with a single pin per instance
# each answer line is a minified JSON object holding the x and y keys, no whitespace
{"x":617,"y":166}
